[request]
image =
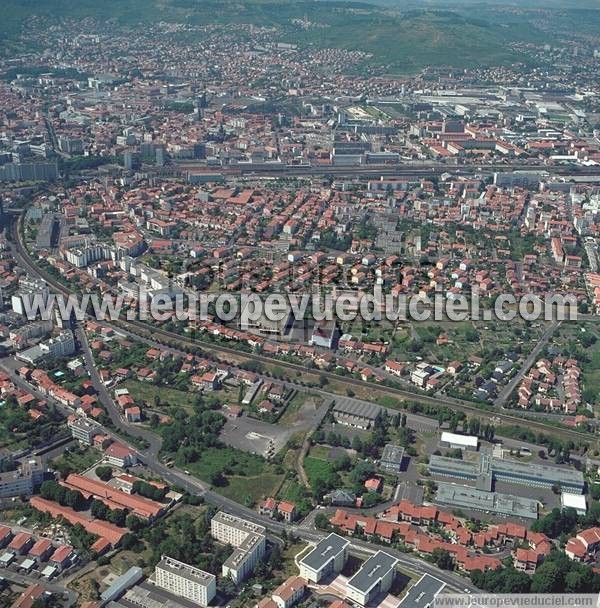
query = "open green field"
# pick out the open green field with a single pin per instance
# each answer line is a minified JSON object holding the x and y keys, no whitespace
{"x":148,"y":393}
{"x":248,"y":478}
{"x":318,"y":469}
{"x":464,"y":338}
{"x":77,"y":459}
{"x":250,"y":490}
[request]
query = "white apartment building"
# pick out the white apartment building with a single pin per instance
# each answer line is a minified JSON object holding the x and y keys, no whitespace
{"x":81,"y":257}
{"x":328,"y":557}
{"x":185,"y":581}
{"x":61,"y":346}
{"x":83,"y":430}
{"x":29,"y":289}
{"x":23,"y":481}
{"x":248,"y":539}
{"x":373,"y":578}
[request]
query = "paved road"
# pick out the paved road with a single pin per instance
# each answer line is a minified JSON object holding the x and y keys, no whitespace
{"x":24,"y":580}
{"x":507,"y":391}
{"x":105,"y":398}
{"x":166,"y":339}
{"x":179,"y":478}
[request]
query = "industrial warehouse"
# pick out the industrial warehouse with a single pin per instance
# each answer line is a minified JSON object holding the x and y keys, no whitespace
{"x":356,"y":414}
{"x":487,"y":469}
{"x":465,"y":497}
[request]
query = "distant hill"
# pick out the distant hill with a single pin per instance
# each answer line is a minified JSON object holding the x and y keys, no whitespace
{"x":400,"y":39}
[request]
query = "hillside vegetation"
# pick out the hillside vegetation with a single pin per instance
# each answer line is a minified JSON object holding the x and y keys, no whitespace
{"x":398,"y":39}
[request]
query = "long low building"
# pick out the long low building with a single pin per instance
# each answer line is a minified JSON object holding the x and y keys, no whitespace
{"x":375,"y":576}
{"x":538,"y":475}
{"x":356,"y":414}
{"x":463,"y":442}
{"x":121,"y":584}
{"x":113,"y":534}
{"x":486,"y":469}
{"x":114,"y":498}
{"x":465,"y":497}
{"x":328,"y":557}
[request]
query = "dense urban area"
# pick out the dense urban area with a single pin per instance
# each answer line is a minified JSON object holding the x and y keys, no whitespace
{"x":170,"y":150}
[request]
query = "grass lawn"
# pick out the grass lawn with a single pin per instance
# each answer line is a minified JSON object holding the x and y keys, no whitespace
{"x":294,"y":492}
{"x":591,"y":373}
{"x":79,"y":460}
{"x":249,"y":490}
{"x":168,"y":396}
{"x":320,"y":451}
{"x":228,"y":461}
{"x":318,"y":469}
{"x":291,"y":490}
{"x":249,"y":477}
{"x":124,"y":560}
{"x":289,"y":567}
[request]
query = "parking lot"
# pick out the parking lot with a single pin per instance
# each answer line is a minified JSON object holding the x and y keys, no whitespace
{"x":255,"y":436}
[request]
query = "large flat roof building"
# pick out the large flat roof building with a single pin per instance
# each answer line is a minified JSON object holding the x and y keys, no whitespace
{"x":391,"y":459}
{"x":356,"y":413}
{"x":83,"y":429}
{"x":453,"y":467}
{"x":24,"y":480}
{"x":249,"y":540}
{"x":464,"y":442}
{"x":328,"y":557}
{"x":375,"y":576}
{"x":185,"y":581}
{"x":121,"y":584}
{"x":488,"y":468}
{"x":574,"y":501}
{"x":422,"y":593}
{"x":465,"y":497}
{"x":538,"y":475}
{"x":146,"y":594}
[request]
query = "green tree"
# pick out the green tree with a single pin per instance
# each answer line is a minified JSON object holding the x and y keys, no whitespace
{"x":443,"y":559}
{"x":547,"y":579}
{"x":98,"y":509}
{"x":104,"y":472}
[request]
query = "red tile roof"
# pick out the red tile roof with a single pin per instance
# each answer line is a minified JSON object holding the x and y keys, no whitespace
{"x":112,"y":533}
{"x":19,"y":541}
{"x":141,"y":506}
{"x":40,"y":548}
{"x":286,"y":507}
{"x":5,"y":531}
{"x":61,"y":554}
{"x":28,"y":598}
{"x":100,"y":546}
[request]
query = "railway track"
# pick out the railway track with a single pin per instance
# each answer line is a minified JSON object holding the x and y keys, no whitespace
{"x":173,"y":339}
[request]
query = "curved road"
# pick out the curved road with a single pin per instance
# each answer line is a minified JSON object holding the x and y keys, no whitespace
{"x":177,"y":477}
{"x":169,"y":338}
